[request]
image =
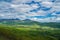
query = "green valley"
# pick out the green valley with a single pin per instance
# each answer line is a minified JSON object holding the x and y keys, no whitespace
{"x":29,"y":30}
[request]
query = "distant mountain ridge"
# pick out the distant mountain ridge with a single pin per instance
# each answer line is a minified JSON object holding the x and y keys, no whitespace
{"x":17,"y":21}
{"x":28,"y":22}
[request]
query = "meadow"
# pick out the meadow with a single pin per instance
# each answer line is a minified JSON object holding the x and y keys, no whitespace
{"x":35,"y":32}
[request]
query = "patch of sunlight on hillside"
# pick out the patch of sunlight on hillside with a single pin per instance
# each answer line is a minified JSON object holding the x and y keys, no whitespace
{"x":35,"y":26}
{"x":49,"y":28}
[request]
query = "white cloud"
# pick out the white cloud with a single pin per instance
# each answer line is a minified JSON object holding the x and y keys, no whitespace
{"x":38,"y":0}
{"x":58,"y":18}
{"x":20,"y":1}
{"x":42,"y":13}
{"x":20,"y":7}
{"x":34,"y":6}
{"x":47,"y":4}
{"x":2,"y":15}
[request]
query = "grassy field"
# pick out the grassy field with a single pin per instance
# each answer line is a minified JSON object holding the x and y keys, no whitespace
{"x":28,"y":33}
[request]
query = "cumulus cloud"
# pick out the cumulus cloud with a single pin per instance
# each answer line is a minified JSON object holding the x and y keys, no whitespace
{"x":49,"y":19}
{"x":19,"y":9}
{"x":20,"y":1}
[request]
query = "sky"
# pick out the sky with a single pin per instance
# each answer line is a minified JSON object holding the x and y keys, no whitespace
{"x":36,"y":10}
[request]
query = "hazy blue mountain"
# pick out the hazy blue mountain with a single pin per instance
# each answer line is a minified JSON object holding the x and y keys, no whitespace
{"x":29,"y":22}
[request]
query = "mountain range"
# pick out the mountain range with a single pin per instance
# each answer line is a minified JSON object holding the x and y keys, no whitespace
{"x":29,"y":22}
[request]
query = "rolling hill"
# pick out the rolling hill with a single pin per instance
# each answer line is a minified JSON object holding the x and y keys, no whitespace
{"x":15,"y":29}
